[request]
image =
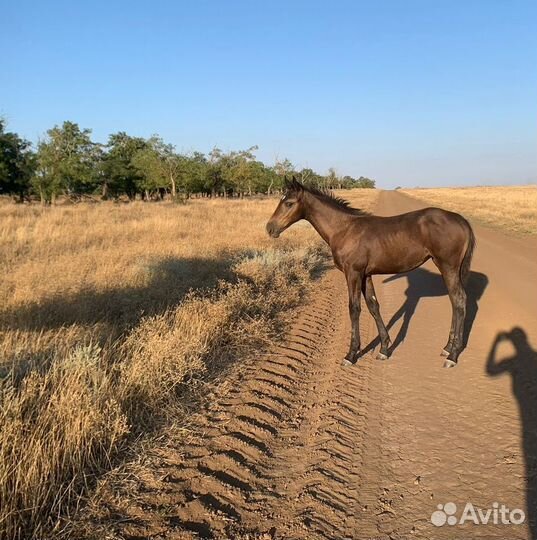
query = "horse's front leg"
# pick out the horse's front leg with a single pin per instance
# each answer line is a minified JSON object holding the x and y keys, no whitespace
{"x":354,"y":285}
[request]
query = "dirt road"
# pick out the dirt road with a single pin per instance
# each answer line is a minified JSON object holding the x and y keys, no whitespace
{"x":297,"y":446}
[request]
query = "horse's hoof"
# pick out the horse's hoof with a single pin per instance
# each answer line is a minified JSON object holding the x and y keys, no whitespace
{"x":381,"y":356}
{"x":444,"y":353}
{"x":449,"y":363}
{"x":346,"y":363}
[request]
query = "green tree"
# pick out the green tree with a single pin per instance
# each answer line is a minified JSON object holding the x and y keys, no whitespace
{"x":216,"y":171}
{"x":272,"y":180}
{"x":240,"y":171}
{"x":162,"y":166}
{"x":283,"y":168}
{"x":364,"y":182}
{"x":261,"y":177}
{"x":149,"y":165}
{"x":121,"y":176}
{"x":231,"y":172}
{"x":348,"y":182}
{"x":331,"y":180}
{"x":311,"y":178}
{"x":172,"y":165}
{"x":193,"y":174}
{"x":66,"y":162}
{"x":17,"y":164}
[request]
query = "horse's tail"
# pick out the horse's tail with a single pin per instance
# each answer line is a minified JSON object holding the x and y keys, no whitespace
{"x":467,"y":259}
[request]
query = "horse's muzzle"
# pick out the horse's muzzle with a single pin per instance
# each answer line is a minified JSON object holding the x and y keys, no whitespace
{"x":273,"y":230}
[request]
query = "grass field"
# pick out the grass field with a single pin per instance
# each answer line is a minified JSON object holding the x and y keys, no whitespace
{"x":512,"y":208}
{"x":113,"y":318}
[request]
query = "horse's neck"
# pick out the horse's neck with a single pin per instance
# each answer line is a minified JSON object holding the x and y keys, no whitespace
{"x":327,"y":220}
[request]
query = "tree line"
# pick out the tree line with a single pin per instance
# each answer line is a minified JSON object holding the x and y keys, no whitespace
{"x":67,"y":163}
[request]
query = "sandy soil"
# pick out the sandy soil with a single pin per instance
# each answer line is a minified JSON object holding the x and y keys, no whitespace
{"x":297,"y":446}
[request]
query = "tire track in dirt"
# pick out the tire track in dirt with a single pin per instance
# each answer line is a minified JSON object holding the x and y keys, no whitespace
{"x":298,"y":418}
{"x":280,"y":453}
{"x":319,"y":465}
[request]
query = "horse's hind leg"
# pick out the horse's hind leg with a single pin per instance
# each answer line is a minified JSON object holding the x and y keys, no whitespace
{"x":372,"y":304}
{"x":457,"y":295}
{"x":444,"y":270}
{"x":449,"y":346}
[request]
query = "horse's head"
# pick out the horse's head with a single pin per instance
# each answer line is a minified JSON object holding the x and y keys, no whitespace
{"x":289,"y":210}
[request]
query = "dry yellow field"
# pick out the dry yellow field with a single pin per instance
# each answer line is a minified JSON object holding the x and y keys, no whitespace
{"x":112,"y":314}
{"x":513,"y":208}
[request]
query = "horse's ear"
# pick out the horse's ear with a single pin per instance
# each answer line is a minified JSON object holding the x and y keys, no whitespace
{"x":296,"y":185}
{"x":293,"y":185}
{"x":287,"y":184}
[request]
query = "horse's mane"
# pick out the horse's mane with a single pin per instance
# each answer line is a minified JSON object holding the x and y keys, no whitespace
{"x":325,"y":195}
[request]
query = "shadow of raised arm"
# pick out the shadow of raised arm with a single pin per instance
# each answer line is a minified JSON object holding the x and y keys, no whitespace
{"x":493,"y":367}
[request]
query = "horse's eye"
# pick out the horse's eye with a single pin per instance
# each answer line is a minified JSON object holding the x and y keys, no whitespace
{"x":289,"y":204}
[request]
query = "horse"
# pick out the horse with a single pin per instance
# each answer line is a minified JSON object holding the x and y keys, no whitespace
{"x":364,"y":245}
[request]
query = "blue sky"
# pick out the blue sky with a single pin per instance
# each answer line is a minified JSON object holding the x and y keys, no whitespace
{"x":407,"y":92}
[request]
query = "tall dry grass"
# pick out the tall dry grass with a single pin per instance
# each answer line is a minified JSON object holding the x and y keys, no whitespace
{"x":513,"y":208}
{"x":112,"y":317}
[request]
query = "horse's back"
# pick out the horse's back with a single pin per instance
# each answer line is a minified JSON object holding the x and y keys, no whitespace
{"x":426,"y":223}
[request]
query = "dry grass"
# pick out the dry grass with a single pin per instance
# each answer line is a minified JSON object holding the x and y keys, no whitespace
{"x":513,"y":208}
{"x":111,"y":315}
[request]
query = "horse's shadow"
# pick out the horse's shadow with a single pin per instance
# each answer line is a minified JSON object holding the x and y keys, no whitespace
{"x":422,"y":284}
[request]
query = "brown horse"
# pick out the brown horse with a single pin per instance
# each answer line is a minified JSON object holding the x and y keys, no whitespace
{"x":365,"y":245}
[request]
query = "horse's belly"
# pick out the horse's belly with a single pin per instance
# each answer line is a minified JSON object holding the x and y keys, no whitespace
{"x":400,"y":261}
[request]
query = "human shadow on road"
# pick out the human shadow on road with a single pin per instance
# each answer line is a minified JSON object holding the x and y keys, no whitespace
{"x":423,"y":284}
{"x":522,"y":366}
